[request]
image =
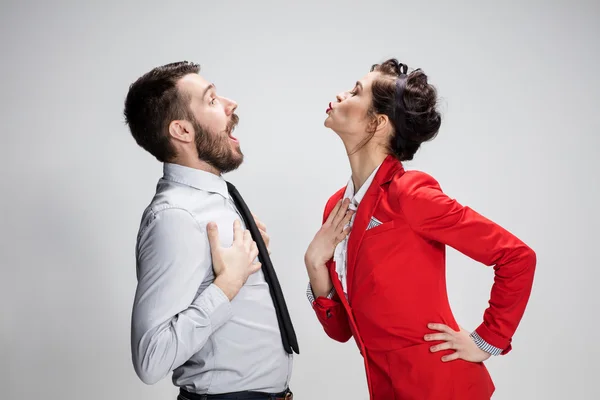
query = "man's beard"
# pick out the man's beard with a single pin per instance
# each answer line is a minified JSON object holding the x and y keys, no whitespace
{"x":215,"y":148}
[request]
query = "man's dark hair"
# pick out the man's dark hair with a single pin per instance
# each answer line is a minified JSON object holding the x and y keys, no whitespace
{"x":153,"y":101}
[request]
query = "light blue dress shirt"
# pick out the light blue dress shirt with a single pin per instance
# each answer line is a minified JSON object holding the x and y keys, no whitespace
{"x":181,"y":321}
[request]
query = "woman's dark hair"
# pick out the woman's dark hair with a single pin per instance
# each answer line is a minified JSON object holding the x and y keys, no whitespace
{"x":410,"y":104}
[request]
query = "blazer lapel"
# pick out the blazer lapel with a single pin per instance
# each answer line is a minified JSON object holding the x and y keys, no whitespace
{"x":359,"y":227}
{"x":364,"y":213}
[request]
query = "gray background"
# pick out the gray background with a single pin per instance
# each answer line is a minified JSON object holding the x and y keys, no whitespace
{"x":519,"y":143}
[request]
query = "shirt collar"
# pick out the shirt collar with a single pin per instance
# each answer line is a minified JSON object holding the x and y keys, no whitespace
{"x":357,"y":198}
{"x":195,"y":178}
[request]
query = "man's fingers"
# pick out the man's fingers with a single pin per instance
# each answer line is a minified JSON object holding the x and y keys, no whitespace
{"x":255,"y":267}
{"x":265,"y":236}
{"x":247,"y":239}
{"x":258,"y":222}
{"x":238,"y":233}
{"x":253,"y":251}
{"x":213,"y":236}
{"x":260,"y":225}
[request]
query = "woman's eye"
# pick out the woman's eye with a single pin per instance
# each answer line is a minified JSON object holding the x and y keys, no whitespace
{"x":212,"y":102}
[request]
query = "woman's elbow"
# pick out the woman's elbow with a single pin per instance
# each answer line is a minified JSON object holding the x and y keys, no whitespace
{"x":527,"y":265}
{"x":531,"y":259}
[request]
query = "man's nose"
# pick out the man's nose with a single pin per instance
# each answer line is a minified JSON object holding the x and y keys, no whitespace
{"x":231,"y":106}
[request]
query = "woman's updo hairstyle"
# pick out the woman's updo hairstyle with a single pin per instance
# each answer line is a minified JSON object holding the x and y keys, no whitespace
{"x":410,"y":104}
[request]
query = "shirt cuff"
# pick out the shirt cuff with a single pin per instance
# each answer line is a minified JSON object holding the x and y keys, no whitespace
{"x":311,"y":296}
{"x":215,"y":304}
{"x":485,"y":346}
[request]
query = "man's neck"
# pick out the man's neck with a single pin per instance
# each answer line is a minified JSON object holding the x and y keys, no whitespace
{"x":197,"y":164}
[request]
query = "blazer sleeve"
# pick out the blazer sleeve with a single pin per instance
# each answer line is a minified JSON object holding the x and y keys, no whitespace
{"x":330,"y":310}
{"x":437,"y":217}
{"x":333,"y":317}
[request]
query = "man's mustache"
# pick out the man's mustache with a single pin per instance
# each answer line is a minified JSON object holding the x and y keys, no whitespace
{"x":232,"y":123}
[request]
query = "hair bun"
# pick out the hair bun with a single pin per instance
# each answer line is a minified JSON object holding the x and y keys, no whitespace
{"x":420,"y":121}
{"x":423,"y":121}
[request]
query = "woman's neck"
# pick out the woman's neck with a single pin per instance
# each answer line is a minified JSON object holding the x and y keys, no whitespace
{"x":364,"y":162}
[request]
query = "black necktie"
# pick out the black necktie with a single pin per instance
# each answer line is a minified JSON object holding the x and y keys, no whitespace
{"x":288,"y":336}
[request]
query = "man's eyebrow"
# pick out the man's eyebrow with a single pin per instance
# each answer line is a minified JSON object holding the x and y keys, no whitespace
{"x":211,"y":86}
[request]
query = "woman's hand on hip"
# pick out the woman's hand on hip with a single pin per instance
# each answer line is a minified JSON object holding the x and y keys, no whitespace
{"x":463,"y":345}
{"x":332,"y":232}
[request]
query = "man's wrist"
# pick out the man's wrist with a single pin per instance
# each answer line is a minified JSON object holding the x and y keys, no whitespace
{"x":229,"y":286}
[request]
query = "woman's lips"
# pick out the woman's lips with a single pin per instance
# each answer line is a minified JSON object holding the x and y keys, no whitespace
{"x":329,"y":108}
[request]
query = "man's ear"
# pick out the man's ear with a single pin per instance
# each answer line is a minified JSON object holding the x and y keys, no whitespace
{"x":181,"y":130}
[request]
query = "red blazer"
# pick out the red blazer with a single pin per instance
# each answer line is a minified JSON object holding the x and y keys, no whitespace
{"x":397,"y":285}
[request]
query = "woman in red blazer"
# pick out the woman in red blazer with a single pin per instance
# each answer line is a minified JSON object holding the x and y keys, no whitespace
{"x":385,"y":283}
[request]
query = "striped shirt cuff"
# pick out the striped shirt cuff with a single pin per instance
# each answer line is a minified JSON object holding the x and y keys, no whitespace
{"x":311,"y":296}
{"x":485,"y":346}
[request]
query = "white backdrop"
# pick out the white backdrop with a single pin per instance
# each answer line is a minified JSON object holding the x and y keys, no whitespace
{"x":519,"y":143}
